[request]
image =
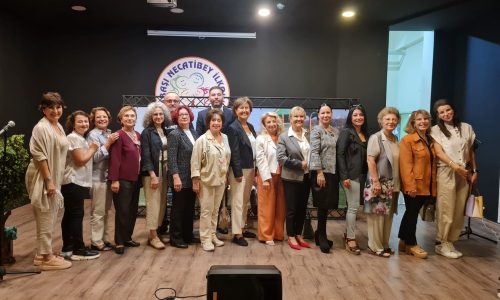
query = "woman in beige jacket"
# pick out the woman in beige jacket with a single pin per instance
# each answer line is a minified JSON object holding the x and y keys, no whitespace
{"x":209,"y":165}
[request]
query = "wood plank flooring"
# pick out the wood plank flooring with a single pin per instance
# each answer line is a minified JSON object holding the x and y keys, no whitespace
{"x":306,"y":274}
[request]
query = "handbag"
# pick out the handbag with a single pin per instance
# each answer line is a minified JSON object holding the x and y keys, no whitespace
{"x":428,"y":210}
{"x":474,"y":207}
{"x":224,"y":217}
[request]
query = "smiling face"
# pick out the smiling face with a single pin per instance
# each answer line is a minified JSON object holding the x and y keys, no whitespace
{"x":325,"y":115}
{"x":171,"y":100}
{"x":446,"y":113}
{"x":215,"y":123}
{"x":128,"y":119}
{"x":158,"y":117}
{"x":183,"y":118}
{"x":421,"y":123}
{"x":81,"y":124}
{"x":101,"y":120}
{"x":53,"y":113}
{"x":297,"y":120}
{"x":357,"y":118}
{"x":216,"y":98}
{"x":389,"y":122}
{"x":243,"y":112}
{"x":271,"y":125}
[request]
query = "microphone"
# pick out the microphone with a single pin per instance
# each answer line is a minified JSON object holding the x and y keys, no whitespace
{"x":6,"y":127}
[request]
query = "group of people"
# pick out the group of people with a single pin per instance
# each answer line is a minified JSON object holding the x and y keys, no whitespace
{"x":223,"y":157}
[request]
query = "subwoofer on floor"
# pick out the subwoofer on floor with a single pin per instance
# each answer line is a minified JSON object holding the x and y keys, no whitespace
{"x":244,"y":282}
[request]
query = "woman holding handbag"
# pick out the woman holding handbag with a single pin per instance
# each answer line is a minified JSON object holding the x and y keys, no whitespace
{"x":382,"y":190}
{"x":453,"y":144}
{"x":417,"y":165}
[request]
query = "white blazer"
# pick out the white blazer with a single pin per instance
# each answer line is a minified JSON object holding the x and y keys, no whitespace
{"x":266,"y":159}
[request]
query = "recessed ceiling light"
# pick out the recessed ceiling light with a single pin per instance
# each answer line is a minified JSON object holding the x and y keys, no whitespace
{"x":264,"y":12}
{"x":176,"y":10}
{"x":348,"y":14}
{"x":78,"y":8}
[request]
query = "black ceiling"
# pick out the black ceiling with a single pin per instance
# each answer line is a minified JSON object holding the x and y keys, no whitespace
{"x":238,"y":15}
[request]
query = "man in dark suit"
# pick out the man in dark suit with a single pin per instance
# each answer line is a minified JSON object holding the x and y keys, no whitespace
{"x":216,"y":99}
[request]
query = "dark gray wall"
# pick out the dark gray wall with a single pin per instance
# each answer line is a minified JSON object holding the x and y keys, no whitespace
{"x":96,"y":67}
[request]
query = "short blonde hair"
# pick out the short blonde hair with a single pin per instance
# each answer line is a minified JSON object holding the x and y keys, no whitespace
{"x":386,"y":111}
{"x":297,"y":110}
{"x":279,"y":122}
{"x":410,"y":126}
{"x":123,"y":110}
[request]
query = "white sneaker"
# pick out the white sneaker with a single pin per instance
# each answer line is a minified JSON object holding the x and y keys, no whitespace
{"x":453,"y":249}
{"x":444,"y":249}
{"x":217,"y":242}
{"x":208,"y":246}
{"x":270,"y":243}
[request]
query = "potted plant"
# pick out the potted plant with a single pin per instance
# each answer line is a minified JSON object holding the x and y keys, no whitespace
{"x":14,"y":159}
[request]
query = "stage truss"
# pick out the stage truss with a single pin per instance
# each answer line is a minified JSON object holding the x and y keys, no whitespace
{"x":308,"y":103}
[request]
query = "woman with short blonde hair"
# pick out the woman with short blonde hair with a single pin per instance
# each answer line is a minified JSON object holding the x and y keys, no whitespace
{"x":270,"y":193}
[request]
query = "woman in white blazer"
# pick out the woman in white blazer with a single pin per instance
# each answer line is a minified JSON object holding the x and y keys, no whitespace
{"x":270,"y":193}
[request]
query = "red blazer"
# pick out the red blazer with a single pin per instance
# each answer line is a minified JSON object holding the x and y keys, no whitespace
{"x":124,"y":158}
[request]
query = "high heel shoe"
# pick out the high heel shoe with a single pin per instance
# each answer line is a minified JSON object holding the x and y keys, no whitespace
{"x":316,"y":240}
{"x":293,"y":246}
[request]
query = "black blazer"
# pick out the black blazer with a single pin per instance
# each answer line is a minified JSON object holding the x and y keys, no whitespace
{"x":351,"y":155}
{"x":151,"y":146}
{"x":179,"y":156}
{"x":201,"y":128}
{"x":241,"y":148}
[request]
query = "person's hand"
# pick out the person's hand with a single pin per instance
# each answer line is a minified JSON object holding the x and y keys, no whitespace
{"x":266,"y":185}
{"x":112,"y":138}
{"x":412,"y":194}
{"x":238,"y":179}
{"x":377,"y":188}
{"x":347,"y":183}
{"x":461,"y":171}
{"x":177,"y":183}
{"x":115,"y":186}
{"x":51,"y":188}
{"x":196,"y":187}
{"x":155,"y":182}
{"x":473,"y":178}
{"x":304,"y":165}
{"x":320,"y":180}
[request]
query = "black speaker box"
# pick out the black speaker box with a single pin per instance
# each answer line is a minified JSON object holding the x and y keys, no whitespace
{"x":244,"y":282}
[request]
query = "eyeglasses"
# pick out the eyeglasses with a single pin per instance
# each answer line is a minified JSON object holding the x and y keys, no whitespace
{"x":172,"y":101}
{"x":184,"y":115}
{"x":356,"y":106}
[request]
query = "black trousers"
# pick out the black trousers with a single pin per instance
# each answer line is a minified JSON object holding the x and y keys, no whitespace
{"x":182,"y":215}
{"x":408,"y":226}
{"x":296,"y":197}
{"x":71,"y":224}
{"x":126,"y":203}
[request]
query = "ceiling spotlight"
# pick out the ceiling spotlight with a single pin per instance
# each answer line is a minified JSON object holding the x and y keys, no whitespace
{"x":264,"y":12}
{"x":176,"y":10}
{"x":280,"y":5}
{"x":348,"y":14}
{"x":78,"y":8}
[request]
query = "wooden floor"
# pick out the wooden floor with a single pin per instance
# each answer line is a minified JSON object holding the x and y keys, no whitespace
{"x":306,"y":274}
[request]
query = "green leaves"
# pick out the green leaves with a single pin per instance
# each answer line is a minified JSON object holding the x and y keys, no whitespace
{"x":12,"y":186}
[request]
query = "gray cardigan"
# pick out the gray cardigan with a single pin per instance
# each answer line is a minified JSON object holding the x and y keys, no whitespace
{"x":323,"y":149}
{"x":290,"y":157}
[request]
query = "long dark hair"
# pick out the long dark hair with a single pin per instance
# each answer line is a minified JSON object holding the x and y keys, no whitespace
{"x":348,"y":121}
{"x":440,"y":123}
